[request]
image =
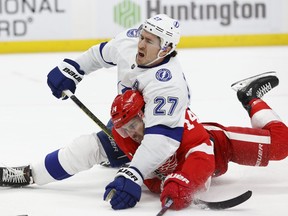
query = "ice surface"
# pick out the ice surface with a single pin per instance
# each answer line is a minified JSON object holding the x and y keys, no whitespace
{"x":34,"y":123}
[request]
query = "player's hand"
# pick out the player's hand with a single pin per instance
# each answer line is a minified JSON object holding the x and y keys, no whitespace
{"x":125,"y":191}
{"x":64,"y":77}
{"x":178,"y":188}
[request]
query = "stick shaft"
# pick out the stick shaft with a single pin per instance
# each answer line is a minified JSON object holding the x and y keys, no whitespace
{"x":165,"y":207}
{"x":89,"y":113}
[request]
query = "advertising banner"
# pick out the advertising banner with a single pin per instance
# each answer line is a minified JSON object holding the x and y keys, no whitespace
{"x":67,"y":25}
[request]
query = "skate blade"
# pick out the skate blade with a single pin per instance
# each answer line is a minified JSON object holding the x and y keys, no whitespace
{"x":241,"y":83}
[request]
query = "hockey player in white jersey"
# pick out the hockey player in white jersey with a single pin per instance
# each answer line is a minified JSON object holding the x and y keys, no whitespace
{"x":146,"y":60}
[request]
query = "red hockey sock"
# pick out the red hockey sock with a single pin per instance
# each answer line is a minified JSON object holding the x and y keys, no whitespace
{"x":257,"y":105}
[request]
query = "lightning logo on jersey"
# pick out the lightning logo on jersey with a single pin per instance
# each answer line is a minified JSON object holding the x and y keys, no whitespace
{"x":163,"y":75}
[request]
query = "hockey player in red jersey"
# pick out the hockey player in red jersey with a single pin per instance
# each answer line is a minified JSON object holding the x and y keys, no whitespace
{"x":205,"y":149}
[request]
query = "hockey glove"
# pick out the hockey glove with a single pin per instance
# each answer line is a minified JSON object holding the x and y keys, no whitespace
{"x":125,"y":190}
{"x":64,"y":77}
{"x":178,"y":188}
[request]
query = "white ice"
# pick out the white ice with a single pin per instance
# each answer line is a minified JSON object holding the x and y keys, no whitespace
{"x":34,"y":123}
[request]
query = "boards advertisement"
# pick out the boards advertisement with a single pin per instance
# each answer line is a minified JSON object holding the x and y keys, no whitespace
{"x":73,"y":25}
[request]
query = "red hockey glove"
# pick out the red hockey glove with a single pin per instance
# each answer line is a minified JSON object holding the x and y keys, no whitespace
{"x":179,"y":189}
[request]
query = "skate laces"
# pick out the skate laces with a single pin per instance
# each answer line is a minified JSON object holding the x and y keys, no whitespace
{"x":263,"y":89}
{"x":14,"y":175}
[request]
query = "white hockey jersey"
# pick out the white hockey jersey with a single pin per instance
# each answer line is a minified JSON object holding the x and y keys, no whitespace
{"x":164,"y":89}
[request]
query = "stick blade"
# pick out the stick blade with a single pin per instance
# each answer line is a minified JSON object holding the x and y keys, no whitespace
{"x":224,"y":204}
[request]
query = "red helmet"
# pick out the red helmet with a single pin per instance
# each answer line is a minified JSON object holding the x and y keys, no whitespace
{"x":125,"y":107}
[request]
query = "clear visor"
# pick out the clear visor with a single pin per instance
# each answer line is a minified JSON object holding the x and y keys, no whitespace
{"x":130,"y":127}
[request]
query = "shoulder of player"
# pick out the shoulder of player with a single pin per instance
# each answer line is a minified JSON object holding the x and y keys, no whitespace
{"x":125,"y":44}
{"x":127,"y":35}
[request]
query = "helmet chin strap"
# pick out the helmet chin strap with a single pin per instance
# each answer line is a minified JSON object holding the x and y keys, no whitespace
{"x":158,"y":57}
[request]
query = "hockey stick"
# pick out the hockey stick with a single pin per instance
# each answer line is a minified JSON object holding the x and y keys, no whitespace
{"x":167,"y":205}
{"x":88,"y":113}
{"x":223,"y":204}
{"x":200,"y":203}
{"x":219,"y":205}
{"x":91,"y":116}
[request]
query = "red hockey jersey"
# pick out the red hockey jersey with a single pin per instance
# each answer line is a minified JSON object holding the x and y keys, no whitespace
{"x":194,"y":157}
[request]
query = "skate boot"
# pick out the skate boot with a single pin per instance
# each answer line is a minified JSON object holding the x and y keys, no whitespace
{"x":254,"y":87}
{"x":15,"y":176}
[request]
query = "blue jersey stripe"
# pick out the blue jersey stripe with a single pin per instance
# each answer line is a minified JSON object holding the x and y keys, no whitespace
{"x":54,"y":167}
{"x":101,"y":48}
{"x":173,"y":133}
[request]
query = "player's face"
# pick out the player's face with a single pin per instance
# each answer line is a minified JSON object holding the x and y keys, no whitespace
{"x":148,"y":49}
{"x":134,"y":129}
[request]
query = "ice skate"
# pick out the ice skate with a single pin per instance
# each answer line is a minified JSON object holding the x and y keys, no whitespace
{"x":255,"y":87}
{"x":15,"y":176}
